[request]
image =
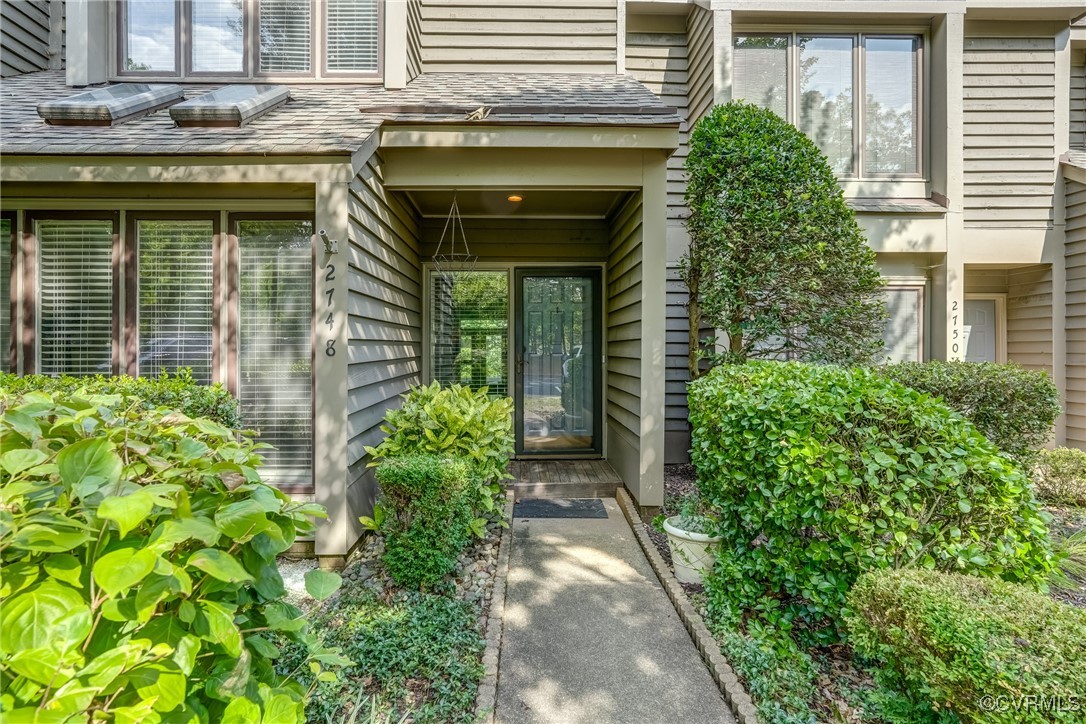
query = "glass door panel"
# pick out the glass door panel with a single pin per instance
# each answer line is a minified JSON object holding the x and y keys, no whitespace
{"x":557,"y":359}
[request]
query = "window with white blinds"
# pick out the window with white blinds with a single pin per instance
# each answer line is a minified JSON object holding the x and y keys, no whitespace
{"x":890,"y":93}
{"x":903,"y":334}
{"x":5,"y":292}
{"x":175,"y":297}
{"x":75,"y":296}
{"x":761,"y":76}
{"x":351,"y":28}
{"x":275,"y":342}
{"x":285,"y":35}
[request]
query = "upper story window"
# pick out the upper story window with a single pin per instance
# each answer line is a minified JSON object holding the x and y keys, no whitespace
{"x":249,"y":38}
{"x":857,"y":96}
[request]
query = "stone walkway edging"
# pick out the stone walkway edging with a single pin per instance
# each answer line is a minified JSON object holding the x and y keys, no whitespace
{"x":486,"y":699}
{"x":730,"y":686}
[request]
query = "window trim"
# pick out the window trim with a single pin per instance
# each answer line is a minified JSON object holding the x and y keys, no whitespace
{"x":32,"y":279}
{"x":317,"y":73}
{"x":859,"y":34}
{"x":130,"y":362}
{"x":9,"y":359}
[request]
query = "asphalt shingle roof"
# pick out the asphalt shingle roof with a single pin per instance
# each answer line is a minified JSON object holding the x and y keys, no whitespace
{"x":328,"y":119}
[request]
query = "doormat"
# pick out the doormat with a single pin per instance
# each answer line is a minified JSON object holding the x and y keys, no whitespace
{"x":559,"y":508}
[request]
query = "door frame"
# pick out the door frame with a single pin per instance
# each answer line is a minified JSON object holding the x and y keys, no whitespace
{"x":516,"y":369}
{"x":1000,"y":321}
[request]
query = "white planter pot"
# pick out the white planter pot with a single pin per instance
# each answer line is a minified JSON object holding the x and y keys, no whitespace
{"x":691,"y":553}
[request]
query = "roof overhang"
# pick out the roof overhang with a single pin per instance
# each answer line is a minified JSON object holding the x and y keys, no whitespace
{"x":176,"y":169}
{"x":476,"y":135}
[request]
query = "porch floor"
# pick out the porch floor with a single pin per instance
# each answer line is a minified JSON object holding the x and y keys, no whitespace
{"x":563,"y":479}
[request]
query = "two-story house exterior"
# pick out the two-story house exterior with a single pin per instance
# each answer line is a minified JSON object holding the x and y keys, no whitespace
{"x":499,"y":188}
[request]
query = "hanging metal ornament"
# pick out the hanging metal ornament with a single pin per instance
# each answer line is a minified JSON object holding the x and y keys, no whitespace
{"x":447,"y":258}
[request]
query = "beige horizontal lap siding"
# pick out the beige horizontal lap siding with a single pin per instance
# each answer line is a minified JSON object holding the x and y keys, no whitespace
{"x":549,"y":36}
{"x":1009,"y":131}
{"x":24,"y":37}
{"x":1075,"y":301}
{"x":384,"y":323}
{"x":1078,"y":100}
{"x":414,"y":39}
{"x":624,"y":333}
{"x":1029,"y":316}
{"x":699,"y":32}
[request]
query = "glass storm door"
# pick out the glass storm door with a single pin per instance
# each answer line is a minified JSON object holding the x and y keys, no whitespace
{"x":557,"y":356}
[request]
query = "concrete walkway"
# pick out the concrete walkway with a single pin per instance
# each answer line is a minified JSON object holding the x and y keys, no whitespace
{"x":590,"y":636}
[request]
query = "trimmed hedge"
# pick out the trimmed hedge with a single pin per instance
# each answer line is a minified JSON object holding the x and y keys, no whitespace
{"x":1061,"y":476}
{"x":1012,"y":406}
{"x":984,"y":649}
{"x":429,"y":518}
{"x":176,"y":392}
{"x":819,"y":473}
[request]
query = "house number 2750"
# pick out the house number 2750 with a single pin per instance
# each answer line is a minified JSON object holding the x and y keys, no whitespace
{"x":330,"y":320}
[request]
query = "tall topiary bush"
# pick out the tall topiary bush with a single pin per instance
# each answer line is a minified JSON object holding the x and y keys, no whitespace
{"x":1012,"y":406}
{"x":139,"y":575}
{"x":776,"y":260}
{"x":819,"y":473}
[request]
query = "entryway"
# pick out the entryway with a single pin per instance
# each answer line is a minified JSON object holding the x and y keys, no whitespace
{"x":563,"y":479}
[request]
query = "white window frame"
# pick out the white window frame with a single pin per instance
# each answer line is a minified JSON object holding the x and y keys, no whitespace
{"x":1000,"y":300}
{"x":317,"y":72}
{"x":856,"y":182}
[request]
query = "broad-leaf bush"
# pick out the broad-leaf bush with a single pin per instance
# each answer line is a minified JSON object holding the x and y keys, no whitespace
{"x":428,"y":500}
{"x":139,"y":574}
{"x":983,"y":649}
{"x":1061,"y":476}
{"x":418,"y":653}
{"x":819,"y":473}
{"x":1012,"y":406}
{"x":455,"y":421}
{"x":176,"y":392}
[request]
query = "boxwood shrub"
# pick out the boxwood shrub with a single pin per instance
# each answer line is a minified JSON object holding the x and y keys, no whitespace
{"x":1061,"y":476}
{"x":176,"y":392}
{"x":427,"y":500}
{"x":983,"y":649}
{"x":819,"y":473}
{"x":139,"y":575}
{"x":1012,"y":406}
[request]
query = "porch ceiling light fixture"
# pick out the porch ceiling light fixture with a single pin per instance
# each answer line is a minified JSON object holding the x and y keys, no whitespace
{"x":515,"y":198}
{"x":448,"y":257}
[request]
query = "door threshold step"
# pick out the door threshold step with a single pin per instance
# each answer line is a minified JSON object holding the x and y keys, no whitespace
{"x":599,"y":489}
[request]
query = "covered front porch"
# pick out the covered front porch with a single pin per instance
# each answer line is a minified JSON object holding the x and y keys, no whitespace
{"x":561,"y":307}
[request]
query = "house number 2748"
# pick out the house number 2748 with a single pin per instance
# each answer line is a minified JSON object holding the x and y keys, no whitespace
{"x":330,"y":320}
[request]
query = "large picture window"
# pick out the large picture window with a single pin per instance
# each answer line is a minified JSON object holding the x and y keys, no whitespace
{"x":857,"y":96}
{"x":249,"y":38}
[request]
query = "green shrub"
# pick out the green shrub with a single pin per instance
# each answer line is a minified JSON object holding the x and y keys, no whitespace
{"x":138,"y":550}
{"x":1061,"y":476}
{"x":776,"y":260}
{"x":420,"y":654}
{"x":819,"y":473}
{"x":986,"y":650}
{"x":458,"y":422}
{"x":429,"y":514}
{"x":1013,"y":407}
{"x":177,"y":392}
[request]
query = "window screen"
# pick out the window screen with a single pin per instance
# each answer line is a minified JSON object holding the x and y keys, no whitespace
{"x":5,"y":292}
{"x":218,"y":36}
{"x":351,"y":35}
{"x":151,"y":36}
{"x":890,"y":91}
{"x":904,"y":328}
{"x":285,"y":28}
{"x":175,"y":297}
{"x":275,"y":342}
{"x":761,"y":71}
{"x":75,"y":293}
{"x":469,"y":329}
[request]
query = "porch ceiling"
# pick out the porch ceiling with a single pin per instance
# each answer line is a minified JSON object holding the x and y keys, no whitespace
{"x":535,"y":203}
